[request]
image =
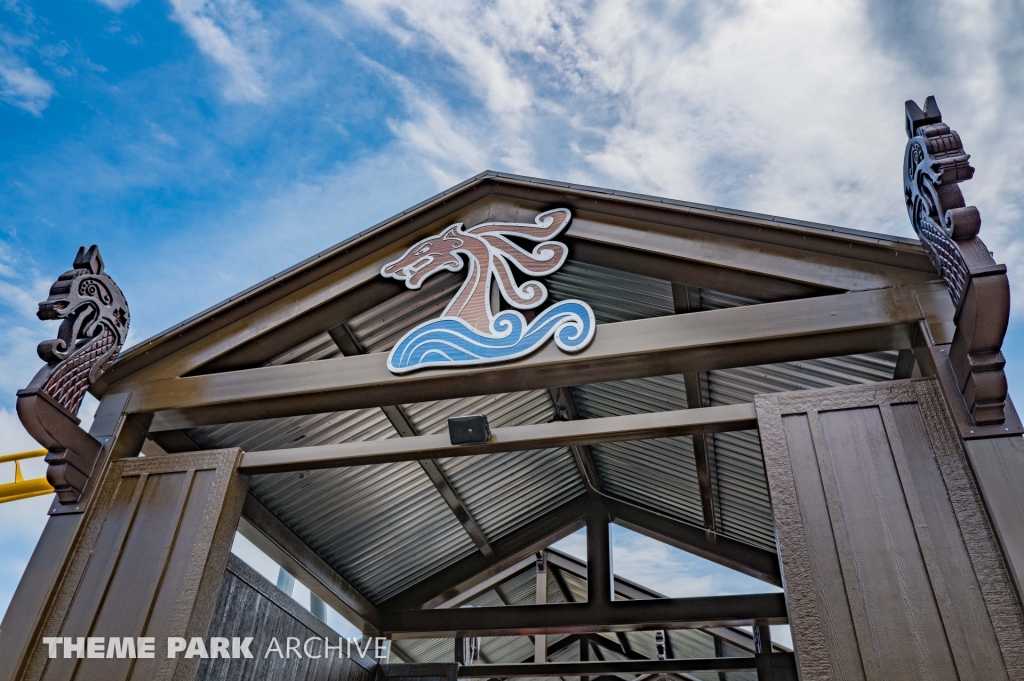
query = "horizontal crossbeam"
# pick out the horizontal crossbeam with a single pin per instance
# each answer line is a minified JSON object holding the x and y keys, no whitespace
{"x":826,"y":326}
{"x":612,"y":667}
{"x":518,"y":438}
{"x":565,"y":618}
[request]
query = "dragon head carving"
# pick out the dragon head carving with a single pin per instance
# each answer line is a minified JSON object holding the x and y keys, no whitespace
{"x":95,"y":323}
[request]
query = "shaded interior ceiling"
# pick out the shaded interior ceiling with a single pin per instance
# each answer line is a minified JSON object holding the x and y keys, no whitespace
{"x":387,"y":527}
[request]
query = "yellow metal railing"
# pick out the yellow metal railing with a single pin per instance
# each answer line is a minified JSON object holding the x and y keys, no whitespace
{"x":22,"y":488}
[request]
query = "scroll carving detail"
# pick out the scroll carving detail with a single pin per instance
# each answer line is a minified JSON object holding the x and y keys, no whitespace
{"x":934,"y":164}
{"x":94,"y":322}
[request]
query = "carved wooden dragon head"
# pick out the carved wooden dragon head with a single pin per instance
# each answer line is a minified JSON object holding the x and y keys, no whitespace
{"x":95,"y":323}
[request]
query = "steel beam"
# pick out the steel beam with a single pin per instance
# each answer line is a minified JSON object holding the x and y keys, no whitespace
{"x":600,"y":579}
{"x":844,"y":324}
{"x":686,"y":300}
{"x":350,"y":346}
{"x":476,"y":568}
{"x":284,"y":547}
{"x":564,"y":618}
{"x":511,"y":439}
{"x":613,"y":667}
{"x":749,"y":560}
{"x":566,"y":409}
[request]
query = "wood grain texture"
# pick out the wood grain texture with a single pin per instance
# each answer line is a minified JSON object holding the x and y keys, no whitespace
{"x":890,"y":565}
{"x":998,"y":465}
{"x":149,"y":563}
{"x":249,"y":605}
{"x":805,"y":619}
{"x":988,"y":563}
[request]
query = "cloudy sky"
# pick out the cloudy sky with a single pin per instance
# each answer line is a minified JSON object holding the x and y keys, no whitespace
{"x":206,"y":144}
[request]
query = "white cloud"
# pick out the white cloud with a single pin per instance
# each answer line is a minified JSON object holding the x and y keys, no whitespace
{"x":22,"y":86}
{"x":231,"y":33}
{"x":791,"y":109}
{"x":116,"y":5}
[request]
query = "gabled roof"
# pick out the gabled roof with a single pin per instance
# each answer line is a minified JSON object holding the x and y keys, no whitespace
{"x":402,"y":535}
{"x":898,"y":253}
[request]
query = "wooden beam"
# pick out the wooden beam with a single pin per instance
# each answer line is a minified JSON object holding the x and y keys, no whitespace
{"x":567,"y":618}
{"x":277,"y":540}
{"x":511,"y":439}
{"x":757,"y":334}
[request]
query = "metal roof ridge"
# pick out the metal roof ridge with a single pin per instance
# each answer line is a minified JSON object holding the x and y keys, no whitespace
{"x":821,"y":229}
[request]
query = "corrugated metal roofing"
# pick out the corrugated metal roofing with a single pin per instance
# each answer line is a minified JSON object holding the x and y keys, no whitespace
{"x":386,"y":527}
{"x":503,"y":491}
{"x":383,"y":527}
{"x":615,"y":296}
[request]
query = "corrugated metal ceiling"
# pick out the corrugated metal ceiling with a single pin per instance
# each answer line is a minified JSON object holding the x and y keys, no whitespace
{"x":385,"y":527}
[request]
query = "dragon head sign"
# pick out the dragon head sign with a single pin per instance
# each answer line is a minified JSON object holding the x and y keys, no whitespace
{"x":469,"y":331}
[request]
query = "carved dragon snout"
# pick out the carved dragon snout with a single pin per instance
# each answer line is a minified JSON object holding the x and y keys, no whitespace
{"x":94,"y":325}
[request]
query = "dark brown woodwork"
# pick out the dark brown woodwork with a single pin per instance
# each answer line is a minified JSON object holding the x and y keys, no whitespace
{"x":298,"y":330}
{"x":725,"y":418}
{"x":687,"y":299}
{"x":30,"y":606}
{"x":600,"y":574}
{"x":154,"y":546}
{"x":653,"y":264}
{"x":249,"y":605}
{"x":561,"y":618}
{"x":832,"y":259}
{"x":94,"y":322}
{"x":757,"y":334}
{"x":566,"y":409}
{"x":934,"y":165}
{"x":998,"y":467}
{"x":890,"y":563}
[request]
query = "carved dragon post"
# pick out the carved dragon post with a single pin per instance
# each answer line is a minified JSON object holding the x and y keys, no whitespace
{"x":95,"y":323}
{"x":934,"y":164}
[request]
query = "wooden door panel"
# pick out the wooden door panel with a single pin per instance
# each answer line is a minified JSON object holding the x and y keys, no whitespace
{"x":890,"y":566}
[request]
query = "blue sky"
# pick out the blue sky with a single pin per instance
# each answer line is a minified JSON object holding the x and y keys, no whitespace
{"x":207,"y":144}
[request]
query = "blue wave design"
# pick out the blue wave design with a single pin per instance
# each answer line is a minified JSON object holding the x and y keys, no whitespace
{"x":449,"y":341}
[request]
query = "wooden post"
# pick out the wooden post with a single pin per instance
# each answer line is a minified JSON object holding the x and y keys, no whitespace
{"x":122,"y":436}
{"x":148,"y":563}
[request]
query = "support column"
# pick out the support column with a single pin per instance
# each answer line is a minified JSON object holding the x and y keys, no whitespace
{"x":148,"y":563}
{"x":122,"y":437}
{"x":600,"y":588}
{"x":540,"y":641}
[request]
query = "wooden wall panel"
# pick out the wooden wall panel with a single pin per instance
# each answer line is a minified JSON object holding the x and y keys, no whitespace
{"x":154,"y":546}
{"x":998,"y":465}
{"x":249,"y":605}
{"x":890,"y":565}
{"x":418,"y":672}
